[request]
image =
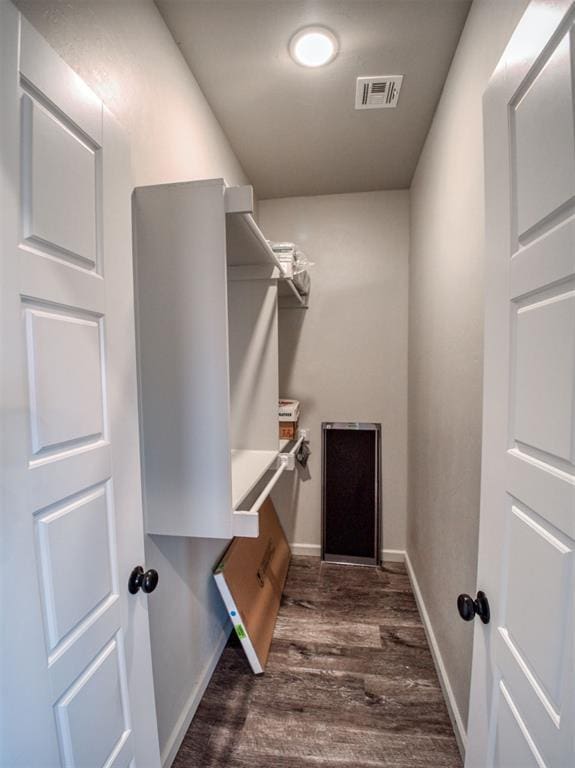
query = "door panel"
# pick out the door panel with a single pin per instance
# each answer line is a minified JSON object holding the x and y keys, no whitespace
{"x":531,"y":541}
{"x":544,"y":365}
{"x":88,"y":639}
{"x":543,"y":120}
{"x":538,"y":714}
{"x":68,"y":537}
{"x":514,"y":747}
{"x":522,"y":704}
{"x":59,"y":185}
{"x":76,"y":664}
{"x":546,"y":261}
{"x":549,"y":488}
{"x":81,"y":707}
{"x":65,"y":374}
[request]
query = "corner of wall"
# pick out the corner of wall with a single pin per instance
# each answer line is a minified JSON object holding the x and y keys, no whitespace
{"x":178,"y":732}
{"x":452,"y":706}
{"x":445,"y":342}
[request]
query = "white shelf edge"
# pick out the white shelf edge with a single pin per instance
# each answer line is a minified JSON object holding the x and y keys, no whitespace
{"x":287,"y":458}
{"x":259,"y":235}
{"x":246,"y":522}
{"x":248,"y":467}
{"x":263,"y":246}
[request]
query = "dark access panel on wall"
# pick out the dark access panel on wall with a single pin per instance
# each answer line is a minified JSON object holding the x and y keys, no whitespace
{"x":351,"y":502}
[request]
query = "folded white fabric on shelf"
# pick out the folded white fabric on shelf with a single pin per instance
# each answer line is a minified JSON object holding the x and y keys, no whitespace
{"x":294,"y":264}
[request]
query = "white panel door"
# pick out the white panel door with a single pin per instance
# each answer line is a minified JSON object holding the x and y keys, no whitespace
{"x":522,"y":708}
{"x":76,"y":679}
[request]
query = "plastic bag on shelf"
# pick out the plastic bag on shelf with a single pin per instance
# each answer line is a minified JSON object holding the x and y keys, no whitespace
{"x":302,"y":282}
{"x":302,"y":263}
{"x":294,"y":264}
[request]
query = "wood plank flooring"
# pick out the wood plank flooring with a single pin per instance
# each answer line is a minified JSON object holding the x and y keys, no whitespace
{"x":350,"y":682}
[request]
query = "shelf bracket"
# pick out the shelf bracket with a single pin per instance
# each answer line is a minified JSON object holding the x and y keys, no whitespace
{"x":287,"y":459}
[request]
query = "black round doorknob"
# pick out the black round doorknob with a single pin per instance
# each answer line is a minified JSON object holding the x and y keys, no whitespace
{"x":468,"y":607}
{"x":147,"y":581}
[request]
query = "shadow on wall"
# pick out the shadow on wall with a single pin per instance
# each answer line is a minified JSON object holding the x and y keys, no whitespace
{"x":286,"y":497}
{"x":290,"y":329}
{"x":187,"y":622}
{"x":287,"y":491}
{"x":189,"y":547}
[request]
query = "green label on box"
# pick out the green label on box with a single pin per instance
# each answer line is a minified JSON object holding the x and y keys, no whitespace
{"x":240,"y":631}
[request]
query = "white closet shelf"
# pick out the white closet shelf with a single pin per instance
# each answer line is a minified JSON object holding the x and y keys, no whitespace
{"x":254,"y":474}
{"x":288,"y":295}
{"x":248,"y":467}
{"x":246,"y":244}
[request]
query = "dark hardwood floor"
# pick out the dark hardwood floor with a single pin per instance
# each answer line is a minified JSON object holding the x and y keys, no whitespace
{"x":350,"y":683}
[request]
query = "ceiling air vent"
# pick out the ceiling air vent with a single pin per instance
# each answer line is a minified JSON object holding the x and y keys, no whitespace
{"x":377,"y":92}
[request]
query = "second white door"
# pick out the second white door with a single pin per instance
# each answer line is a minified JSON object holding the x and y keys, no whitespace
{"x":522,"y":709}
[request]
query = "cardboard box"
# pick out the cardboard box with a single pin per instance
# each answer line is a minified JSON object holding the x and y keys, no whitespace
{"x":288,"y":415}
{"x":288,"y":430}
{"x":251,"y":578}
{"x":288,"y":410}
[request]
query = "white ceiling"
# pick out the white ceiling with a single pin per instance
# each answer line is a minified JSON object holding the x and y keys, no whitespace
{"x":295,"y":130}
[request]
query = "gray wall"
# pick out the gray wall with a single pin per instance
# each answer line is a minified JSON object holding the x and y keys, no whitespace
{"x":124,"y":51}
{"x":445,"y":339}
{"x":345,"y":358}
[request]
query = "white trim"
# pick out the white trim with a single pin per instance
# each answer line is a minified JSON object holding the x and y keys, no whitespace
{"x":314,"y":550}
{"x":311,"y":550}
{"x":452,"y":708}
{"x":392,"y":555}
{"x":176,"y":737}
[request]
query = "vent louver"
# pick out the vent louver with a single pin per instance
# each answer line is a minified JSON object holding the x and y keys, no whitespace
{"x":377,"y":92}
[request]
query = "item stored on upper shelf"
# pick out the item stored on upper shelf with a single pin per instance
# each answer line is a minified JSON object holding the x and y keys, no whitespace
{"x":302,"y":282}
{"x":294,"y":263}
{"x":288,"y":415}
{"x":288,"y":430}
{"x":288,"y":410}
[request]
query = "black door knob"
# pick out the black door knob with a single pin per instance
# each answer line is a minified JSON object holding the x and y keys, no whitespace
{"x":468,"y":607}
{"x":147,"y":581}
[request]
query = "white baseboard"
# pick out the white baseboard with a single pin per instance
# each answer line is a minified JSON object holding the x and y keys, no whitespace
{"x":309,"y":550}
{"x":392,"y":555}
{"x":183,"y":723}
{"x":314,"y":550}
{"x":452,"y":708}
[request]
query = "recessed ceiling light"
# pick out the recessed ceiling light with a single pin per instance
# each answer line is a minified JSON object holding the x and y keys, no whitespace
{"x":313,"y":46}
